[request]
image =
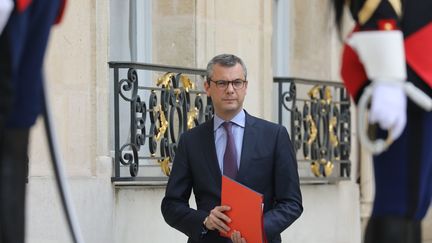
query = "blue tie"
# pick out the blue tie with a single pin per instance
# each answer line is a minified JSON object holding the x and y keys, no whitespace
{"x":230,"y":156}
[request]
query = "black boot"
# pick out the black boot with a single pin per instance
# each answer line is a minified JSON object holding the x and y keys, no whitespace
{"x":393,"y":230}
{"x":13,"y":176}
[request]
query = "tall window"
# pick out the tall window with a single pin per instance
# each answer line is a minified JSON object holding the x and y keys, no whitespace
{"x":281,"y":37}
{"x":130,"y":41}
{"x":131,"y":30}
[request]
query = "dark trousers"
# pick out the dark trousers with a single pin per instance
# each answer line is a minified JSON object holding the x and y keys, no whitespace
{"x":22,"y":50}
{"x":393,"y":230}
{"x":13,"y":177}
{"x":403,"y":183}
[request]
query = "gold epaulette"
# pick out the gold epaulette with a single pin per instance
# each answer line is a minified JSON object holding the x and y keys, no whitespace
{"x":397,"y":6}
{"x":370,"y":6}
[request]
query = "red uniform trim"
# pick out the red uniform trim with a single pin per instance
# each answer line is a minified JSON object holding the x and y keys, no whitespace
{"x":387,"y":24}
{"x":22,"y":5}
{"x":61,"y":12}
{"x":418,"y":51}
{"x":352,"y":72}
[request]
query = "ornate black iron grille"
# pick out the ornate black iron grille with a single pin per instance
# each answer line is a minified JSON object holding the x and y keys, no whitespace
{"x":153,"y":105}
{"x":317,"y":114}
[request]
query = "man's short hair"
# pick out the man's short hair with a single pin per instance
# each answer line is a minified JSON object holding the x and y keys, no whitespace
{"x":225,"y":60}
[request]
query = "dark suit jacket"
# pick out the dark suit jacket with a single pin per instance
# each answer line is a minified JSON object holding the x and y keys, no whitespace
{"x":267,"y":165}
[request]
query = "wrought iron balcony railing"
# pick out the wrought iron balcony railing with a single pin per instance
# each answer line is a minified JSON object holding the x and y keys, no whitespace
{"x":155,"y":104}
{"x":317,"y":114}
{"x":150,"y":116}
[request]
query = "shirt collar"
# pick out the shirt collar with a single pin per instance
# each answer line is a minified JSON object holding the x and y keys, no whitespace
{"x":239,"y":120}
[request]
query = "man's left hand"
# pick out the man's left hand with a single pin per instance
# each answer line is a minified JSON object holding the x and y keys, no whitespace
{"x":236,"y":237}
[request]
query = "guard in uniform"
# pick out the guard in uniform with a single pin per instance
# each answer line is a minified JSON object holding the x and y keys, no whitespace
{"x":22,"y":47}
{"x":390,"y":48}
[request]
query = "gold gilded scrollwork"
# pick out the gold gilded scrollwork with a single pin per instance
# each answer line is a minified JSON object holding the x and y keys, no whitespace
{"x":177,"y":92}
{"x":328,"y":168}
{"x":163,"y":124}
{"x":332,"y":132}
{"x":326,"y":164}
{"x":322,"y":95}
{"x":315,"y":168}
{"x":168,"y":82}
{"x":326,"y":99}
{"x":328,"y":96}
{"x":187,"y":83}
{"x":313,"y":131}
{"x":191,"y":116}
{"x":165,"y":80}
{"x":164,"y":164}
{"x":314,"y":92}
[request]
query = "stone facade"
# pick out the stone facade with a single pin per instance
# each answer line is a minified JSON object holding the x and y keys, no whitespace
{"x":183,"y":33}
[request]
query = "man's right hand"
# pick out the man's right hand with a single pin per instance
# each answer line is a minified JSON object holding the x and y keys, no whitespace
{"x":217,"y":219}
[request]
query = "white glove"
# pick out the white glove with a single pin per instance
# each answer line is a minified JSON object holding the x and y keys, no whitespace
{"x":388,"y":108}
{"x":6,"y":7}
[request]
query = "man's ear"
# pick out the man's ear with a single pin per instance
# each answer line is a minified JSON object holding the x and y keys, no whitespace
{"x":207,"y":88}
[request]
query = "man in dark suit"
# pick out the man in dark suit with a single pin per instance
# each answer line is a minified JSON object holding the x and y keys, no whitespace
{"x":254,"y":152}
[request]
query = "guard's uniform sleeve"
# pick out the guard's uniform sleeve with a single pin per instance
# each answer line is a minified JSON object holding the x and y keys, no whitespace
{"x":22,"y":5}
{"x":370,"y":15}
{"x":61,"y":12}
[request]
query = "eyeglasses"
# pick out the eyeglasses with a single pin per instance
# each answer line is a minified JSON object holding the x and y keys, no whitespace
{"x":223,"y":84}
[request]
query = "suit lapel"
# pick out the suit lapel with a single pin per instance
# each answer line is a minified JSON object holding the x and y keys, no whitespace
{"x":249,"y":141}
{"x":209,"y":149}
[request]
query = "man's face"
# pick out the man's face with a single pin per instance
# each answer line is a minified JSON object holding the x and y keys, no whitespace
{"x":226,"y":102}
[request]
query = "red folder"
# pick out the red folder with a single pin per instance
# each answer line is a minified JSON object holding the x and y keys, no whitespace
{"x":246,"y":212}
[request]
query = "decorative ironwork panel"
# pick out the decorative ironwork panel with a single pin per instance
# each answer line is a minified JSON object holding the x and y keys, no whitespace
{"x":153,"y":106}
{"x":317,"y":114}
